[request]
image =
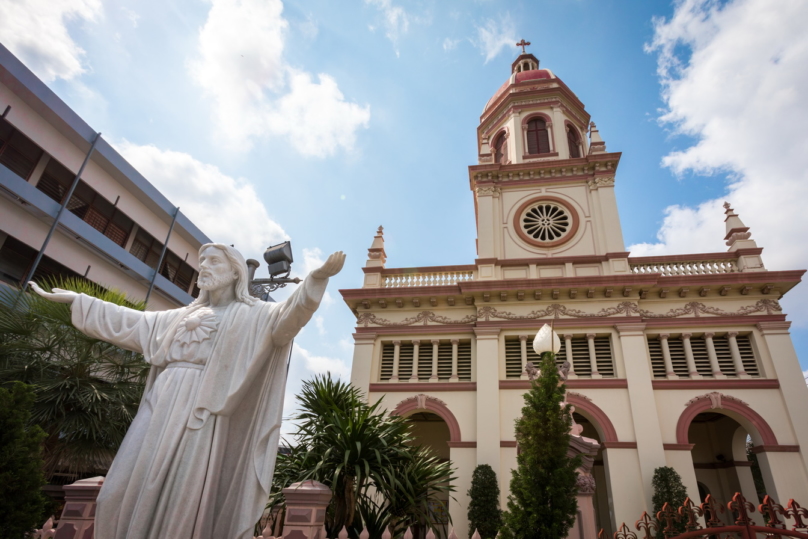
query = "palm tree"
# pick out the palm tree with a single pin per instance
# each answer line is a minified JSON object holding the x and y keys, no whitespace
{"x":87,"y":391}
{"x":378,"y":478}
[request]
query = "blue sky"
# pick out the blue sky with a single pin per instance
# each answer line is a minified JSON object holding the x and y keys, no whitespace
{"x":319,"y":121}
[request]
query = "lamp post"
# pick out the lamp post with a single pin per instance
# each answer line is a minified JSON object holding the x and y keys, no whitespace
{"x":279,"y":264}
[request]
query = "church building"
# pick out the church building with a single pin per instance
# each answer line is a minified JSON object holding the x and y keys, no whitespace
{"x":681,"y":360}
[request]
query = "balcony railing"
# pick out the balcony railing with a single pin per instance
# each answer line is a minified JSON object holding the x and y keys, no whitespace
{"x":684,"y":267}
{"x":435,"y":278}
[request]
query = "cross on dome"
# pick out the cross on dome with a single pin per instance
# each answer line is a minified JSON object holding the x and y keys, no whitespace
{"x":523,"y":44}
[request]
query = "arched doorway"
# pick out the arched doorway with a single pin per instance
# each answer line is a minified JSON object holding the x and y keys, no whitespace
{"x":431,"y":432}
{"x":721,"y":458}
{"x":601,"y":498}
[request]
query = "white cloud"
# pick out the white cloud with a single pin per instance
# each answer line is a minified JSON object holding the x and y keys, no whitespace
{"x":205,"y":194}
{"x":396,"y":20}
{"x":319,"y":323}
{"x":131,"y":15}
{"x":734,"y":78}
{"x":256,"y":93}
{"x":36,"y":32}
{"x":321,"y":364}
{"x":494,"y":36}
{"x":450,"y":44}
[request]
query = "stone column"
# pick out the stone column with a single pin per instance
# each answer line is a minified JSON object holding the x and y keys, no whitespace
{"x":416,"y":345}
{"x":396,"y":354}
{"x":523,"y":349}
{"x":736,"y":355}
{"x":78,"y":516}
{"x":568,"y":354}
{"x":593,"y":358}
{"x":691,"y":361}
{"x":454,"y":377}
{"x":716,"y":368}
{"x":363,"y":361}
{"x":643,"y":407}
{"x":777,"y":342}
{"x":584,"y":527}
{"x":666,"y":357}
{"x":435,"y":347}
{"x":488,"y":419}
{"x":306,"y":503}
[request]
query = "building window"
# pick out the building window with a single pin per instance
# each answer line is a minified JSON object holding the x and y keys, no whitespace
{"x":546,"y":221}
{"x":538,"y":138}
{"x":574,"y":143}
{"x":428,"y":365}
{"x":85,"y":203}
{"x":146,"y":248}
{"x":584,"y":358}
{"x":501,"y":149}
{"x":16,"y":259}
{"x":700,"y":349}
{"x":17,"y":152}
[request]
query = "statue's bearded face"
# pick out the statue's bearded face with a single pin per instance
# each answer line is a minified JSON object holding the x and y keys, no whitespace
{"x":215,"y":270}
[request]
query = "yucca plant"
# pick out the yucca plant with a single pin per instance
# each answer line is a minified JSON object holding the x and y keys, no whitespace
{"x":365,"y":456}
{"x":86,"y":391}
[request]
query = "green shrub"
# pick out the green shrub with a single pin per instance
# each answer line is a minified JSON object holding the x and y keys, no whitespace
{"x":668,"y":488}
{"x":484,"y":514}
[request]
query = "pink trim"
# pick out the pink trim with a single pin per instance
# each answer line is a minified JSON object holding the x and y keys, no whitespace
{"x":462,"y":444}
{"x":403,"y":387}
{"x":793,"y":276}
{"x":776,"y":449}
{"x":441,"y":329}
{"x":715,"y":384}
{"x":573,"y":213}
{"x":561,"y":282}
{"x":542,"y":115}
{"x":714,"y":320}
{"x":577,"y":383}
{"x":619,"y":445}
{"x":597,"y":416}
{"x":507,"y":443}
{"x":661,"y":259}
{"x":704,"y":405}
{"x":678,"y":447}
{"x":408,"y":406}
{"x":603,"y":321}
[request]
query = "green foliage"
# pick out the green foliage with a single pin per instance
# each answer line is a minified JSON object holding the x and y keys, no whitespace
{"x":365,"y":456}
{"x":542,"y":503}
{"x":22,"y":503}
{"x":484,"y":514}
{"x":668,"y":488}
{"x":86,"y":391}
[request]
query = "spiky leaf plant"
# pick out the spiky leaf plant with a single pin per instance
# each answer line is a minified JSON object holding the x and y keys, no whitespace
{"x":365,"y":456}
{"x":86,"y":391}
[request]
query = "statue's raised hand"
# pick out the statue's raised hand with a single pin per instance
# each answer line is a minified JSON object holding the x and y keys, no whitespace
{"x":58,"y":295}
{"x":331,"y":267}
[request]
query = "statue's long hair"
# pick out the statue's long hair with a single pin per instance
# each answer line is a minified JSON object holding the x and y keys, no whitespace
{"x":242,"y":276}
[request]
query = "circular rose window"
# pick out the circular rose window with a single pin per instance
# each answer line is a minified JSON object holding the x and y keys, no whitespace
{"x":545,"y":222}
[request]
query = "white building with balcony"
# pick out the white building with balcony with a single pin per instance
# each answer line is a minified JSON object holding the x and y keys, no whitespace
{"x":676,"y":360}
{"x":114,"y":225}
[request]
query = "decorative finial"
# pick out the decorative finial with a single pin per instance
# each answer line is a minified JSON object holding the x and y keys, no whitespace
{"x":727,"y":207}
{"x":380,"y":231}
{"x":523,"y":44}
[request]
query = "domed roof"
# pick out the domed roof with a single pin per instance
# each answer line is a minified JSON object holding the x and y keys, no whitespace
{"x":516,"y":78}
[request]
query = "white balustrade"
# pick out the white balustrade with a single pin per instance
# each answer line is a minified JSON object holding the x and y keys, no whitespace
{"x":438,"y":278}
{"x":689,"y":267}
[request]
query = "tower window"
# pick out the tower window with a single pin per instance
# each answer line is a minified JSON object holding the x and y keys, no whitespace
{"x":538,"y":139}
{"x":501,"y":149}
{"x":572,"y":140}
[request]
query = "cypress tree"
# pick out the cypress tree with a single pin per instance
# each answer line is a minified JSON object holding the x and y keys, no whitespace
{"x":485,"y":515}
{"x":22,"y":503}
{"x":542,"y":503}
{"x":668,"y":488}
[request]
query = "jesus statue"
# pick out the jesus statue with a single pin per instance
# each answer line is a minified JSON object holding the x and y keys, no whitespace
{"x":198,"y":459}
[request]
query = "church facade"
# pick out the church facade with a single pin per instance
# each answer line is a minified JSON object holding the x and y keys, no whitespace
{"x":683,"y":361}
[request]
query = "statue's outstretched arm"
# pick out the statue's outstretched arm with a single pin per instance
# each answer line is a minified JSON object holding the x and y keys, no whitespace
{"x":58,"y":295}
{"x":295,"y":312}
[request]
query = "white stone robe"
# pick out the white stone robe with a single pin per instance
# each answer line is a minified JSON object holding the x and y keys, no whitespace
{"x":198,"y":459}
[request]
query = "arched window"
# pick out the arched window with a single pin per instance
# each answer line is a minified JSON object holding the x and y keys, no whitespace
{"x":538,"y":140}
{"x":501,"y":149}
{"x":572,"y":139}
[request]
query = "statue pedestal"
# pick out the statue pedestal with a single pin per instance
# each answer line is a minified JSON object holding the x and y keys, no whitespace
{"x":78,"y":516}
{"x":584,"y":527}
{"x":306,"y":503}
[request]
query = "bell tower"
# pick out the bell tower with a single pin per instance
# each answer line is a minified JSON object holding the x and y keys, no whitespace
{"x":543,"y":189}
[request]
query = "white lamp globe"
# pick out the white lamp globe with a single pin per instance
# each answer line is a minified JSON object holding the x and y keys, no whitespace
{"x":546,"y":341}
